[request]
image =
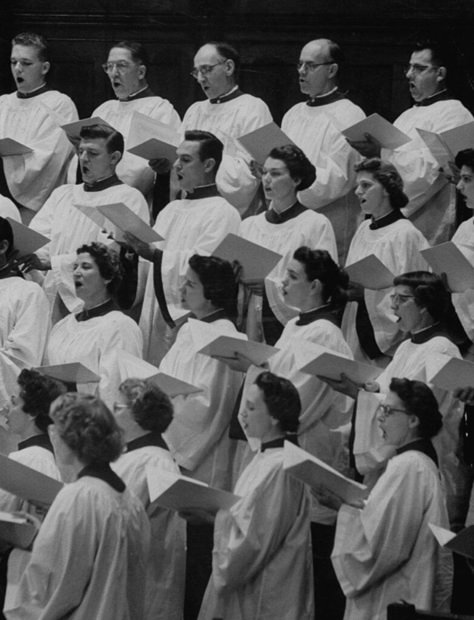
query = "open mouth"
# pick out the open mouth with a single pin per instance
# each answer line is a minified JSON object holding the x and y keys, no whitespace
{"x":20,"y":79}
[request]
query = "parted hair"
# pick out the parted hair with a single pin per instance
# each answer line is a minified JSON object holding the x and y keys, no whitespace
{"x":150,"y":407}
{"x":31,"y":39}
{"x":319,"y":265}
{"x":218,"y":280}
{"x":282,"y":400}
{"x":107,"y":261}
{"x":113,"y":139}
{"x":388,"y":176}
{"x":420,"y":401}
{"x":137,"y":51}
{"x":297,"y":163}
{"x":210,"y":147}
{"x":38,"y":392}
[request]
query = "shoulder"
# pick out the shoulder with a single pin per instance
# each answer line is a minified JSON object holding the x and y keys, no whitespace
{"x":117,"y":320}
{"x":24,"y":288}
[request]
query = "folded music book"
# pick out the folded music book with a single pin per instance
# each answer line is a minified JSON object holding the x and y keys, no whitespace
{"x":73,"y":130}
{"x":447,"y":258}
{"x":72,"y":372}
{"x":27,"y":483}
{"x":370,"y":273}
{"x":225,"y":347}
{"x":261,"y":141}
{"x":377,"y":126}
{"x":26,"y":240}
{"x":256,"y":261}
{"x":9,"y":147}
{"x":152,"y":139}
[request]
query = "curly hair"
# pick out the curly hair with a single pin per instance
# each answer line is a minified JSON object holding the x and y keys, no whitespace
{"x":282,"y":400}
{"x":420,"y":401}
{"x":218,"y":280}
{"x":318,"y":265}
{"x":465,"y":158}
{"x":387,"y":175}
{"x":107,"y":261}
{"x":87,"y":427}
{"x":38,"y":392}
{"x":297,"y":163}
{"x":150,"y":407}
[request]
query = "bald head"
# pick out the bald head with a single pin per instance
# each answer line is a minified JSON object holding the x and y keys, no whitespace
{"x":318,"y":66}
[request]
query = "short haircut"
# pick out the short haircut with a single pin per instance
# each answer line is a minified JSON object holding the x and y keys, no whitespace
{"x":282,"y":400}
{"x":335,"y":53}
{"x":319,"y":265}
{"x":218,"y":281}
{"x":107,"y":261}
{"x":297,"y":163}
{"x":150,"y":407}
{"x":113,"y":139}
{"x":429,"y":291}
{"x":441,"y":55}
{"x":419,"y":400}
{"x":209,"y":145}
{"x":38,"y":392}
{"x":87,"y":427}
{"x":465,"y":158}
{"x":6,"y":234}
{"x":386,"y":174}
{"x":228,"y":52}
{"x":31,"y":39}
{"x":137,"y":51}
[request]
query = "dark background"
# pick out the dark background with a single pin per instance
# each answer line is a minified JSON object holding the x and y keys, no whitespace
{"x":376,"y":36}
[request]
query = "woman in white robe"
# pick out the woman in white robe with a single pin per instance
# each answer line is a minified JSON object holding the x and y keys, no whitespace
{"x":144,"y":412}
{"x":96,"y":335}
{"x":89,"y":558}
{"x":368,"y":325}
{"x":262,"y":550}
{"x":384,"y":550}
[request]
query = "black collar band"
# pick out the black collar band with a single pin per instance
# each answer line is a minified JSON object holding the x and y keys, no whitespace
{"x":274,"y":443}
{"x":422,"y":445}
{"x":335,"y":95}
{"x":323,"y":312}
{"x":386,"y":220}
{"x":214,"y":316}
{"x":33,"y":93}
{"x":228,"y":97}
{"x":274,"y":217}
{"x":104,"y":472}
{"x":100,"y":310}
{"x":443,"y":95}
{"x":428,"y":333}
{"x":152,"y":438}
{"x":98,"y":186}
{"x":42,"y":441}
{"x":203,"y":191}
{"x":141,"y":94}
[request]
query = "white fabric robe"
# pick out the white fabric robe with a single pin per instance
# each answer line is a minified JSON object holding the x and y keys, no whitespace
{"x":198,"y":436}
{"x":386,"y":552}
{"x":423,"y":184}
{"x":36,"y":123}
{"x":68,"y":229}
{"x":164,"y":595}
{"x":464,"y":302}
{"x":9,"y":209}
{"x":262,"y":564}
{"x":317,"y":131}
{"x":96,"y":343}
{"x":398,"y":246}
{"x":188,"y":227}
{"x":89,"y":558}
{"x":132,"y":169}
{"x":228,"y":121}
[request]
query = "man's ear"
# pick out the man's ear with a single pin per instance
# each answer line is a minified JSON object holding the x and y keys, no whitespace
{"x":209,"y":165}
{"x":46,"y":67}
{"x":115,"y":157}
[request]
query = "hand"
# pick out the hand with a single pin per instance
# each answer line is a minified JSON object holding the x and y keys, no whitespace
{"x":161,"y":165}
{"x":239,"y":362}
{"x":256,"y":287}
{"x":444,"y":278}
{"x":256,"y":169}
{"x":371,"y":386}
{"x":355,"y":292}
{"x":466,"y":395}
{"x":197,"y":516}
{"x":370,"y":147}
{"x":33,"y":261}
{"x":145,"y":250}
{"x":451,"y":173}
{"x":344,"y":385}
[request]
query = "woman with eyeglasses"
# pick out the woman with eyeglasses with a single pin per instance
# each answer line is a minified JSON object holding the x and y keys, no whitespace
{"x":384,"y":550}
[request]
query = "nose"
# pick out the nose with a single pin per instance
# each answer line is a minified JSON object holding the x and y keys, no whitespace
{"x":114,"y":71}
{"x":358,"y":191}
{"x":460,"y":185}
{"x":408,"y":72}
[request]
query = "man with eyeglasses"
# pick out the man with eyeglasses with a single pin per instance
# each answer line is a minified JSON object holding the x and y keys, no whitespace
{"x":228,"y":113}
{"x":126,"y":68}
{"x":32,"y":116}
{"x":315,"y":126}
{"x":432,"y":198}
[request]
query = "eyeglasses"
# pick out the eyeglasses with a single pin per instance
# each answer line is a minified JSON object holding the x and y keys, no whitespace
{"x":398,"y":298}
{"x":384,"y":411}
{"x":417,"y":69}
{"x":121,"y":66}
{"x":205,"y":69}
{"x":119,"y":407}
{"x":311,"y":66}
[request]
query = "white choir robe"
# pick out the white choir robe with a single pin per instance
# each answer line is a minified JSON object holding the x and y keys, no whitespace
{"x":97,"y":343}
{"x":432,"y":198}
{"x":164,"y":593}
{"x":36,"y":123}
{"x":228,"y":121}
{"x":188,"y":226}
{"x":24,"y":328}
{"x":398,"y":246}
{"x":198,"y":436}
{"x":42,"y":460}
{"x":9,"y":209}
{"x":262,"y":564}
{"x":89,"y":558}
{"x":317,"y":131}
{"x":464,"y":302}
{"x":68,"y":229}
{"x":309,"y":228}
{"x":132,"y":169}
{"x":386,"y":552}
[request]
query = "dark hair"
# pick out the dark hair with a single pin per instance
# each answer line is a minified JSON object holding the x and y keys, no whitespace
{"x":388,"y":176}
{"x":441,"y":55}
{"x":209,"y":145}
{"x":282,"y":400}
{"x":38,"y":392}
{"x":87,"y":427}
{"x":319,"y":265}
{"x":150,"y":407}
{"x":107,"y":261}
{"x":335,"y":53}
{"x":228,"y":52}
{"x":429,"y":291}
{"x":6,"y":234}
{"x":113,"y":139}
{"x":465,"y":158}
{"x":420,"y":401}
{"x":137,"y":51}
{"x":31,"y":39}
{"x":297,"y":163}
{"x":218,"y":280}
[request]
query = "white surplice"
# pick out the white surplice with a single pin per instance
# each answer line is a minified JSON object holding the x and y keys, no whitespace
{"x":464,"y":302}
{"x":9,"y":209}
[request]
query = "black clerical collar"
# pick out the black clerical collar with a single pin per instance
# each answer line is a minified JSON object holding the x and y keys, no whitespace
{"x":274,"y":217}
{"x":98,"y":186}
{"x":386,"y":220}
{"x":42,"y":441}
{"x":214,"y":316}
{"x":334,"y":95}
{"x":104,"y":472}
{"x":140,"y":94}
{"x":427,"y":333}
{"x":10,"y":271}
{"x":274,"y":443}
{"x":150,"y":439}
{"x":443,"y":95}
{"x":100,"y":310}
{"x":323,"y":312}
{"x":421,"y":445}
{"x":203,"y":191}
{"x":33,"y":93}
{"x":232,"y":94}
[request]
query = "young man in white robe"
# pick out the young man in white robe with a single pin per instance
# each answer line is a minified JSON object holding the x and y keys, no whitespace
{"x":33,"y":116}
{"x":432,"y":198}
{"x":315,"y":126}
{"x":228,"y":113}
{"x":100,"y":150}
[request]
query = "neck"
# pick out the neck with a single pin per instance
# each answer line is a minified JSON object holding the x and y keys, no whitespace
{"x":312,"y":303}
{"x":97,"y":300}
{"x":384,"y":209}
{"x":134,"y":431}
{"x":424,"y":322}
{"x":271,"y":435}
{"x":281,"y":204}
{"x":329,"y":88}
{"x":140,"y":87}
{"x":109,"y":174}
{"x":27,"y":92}
{"x":225,"y":92}
{"x":30,"y":431}
{"x":200,"y":313}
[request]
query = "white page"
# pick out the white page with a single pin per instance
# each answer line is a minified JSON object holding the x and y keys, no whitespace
{"x":25,"y":239}
{"x":72,"y":372}
{"x":449,"y":373}
{"x":227,"y":346}
{"x":256,"y":261}
{"x":261,"y":141}
{"x":9,"y":147}
{"x":447,"y":258}
{"x":442,"y":535}
{"x":27,"y":483}
{"x":384,"y":132}
{"x":127,"y":221}
{"x":73,"y":130}
{"x":370,"y":273}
